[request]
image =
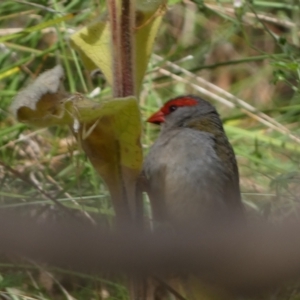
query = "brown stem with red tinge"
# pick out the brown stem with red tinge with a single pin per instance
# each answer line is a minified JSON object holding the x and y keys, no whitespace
{"x":123,"y":48}
{"x":122,"y":24}
{"x":127,"y":47}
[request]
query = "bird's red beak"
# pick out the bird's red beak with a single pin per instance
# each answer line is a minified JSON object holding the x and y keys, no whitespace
{"x":157,"y":118}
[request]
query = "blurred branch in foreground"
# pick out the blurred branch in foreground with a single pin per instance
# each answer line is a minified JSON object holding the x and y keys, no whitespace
{"x":231,"y":255}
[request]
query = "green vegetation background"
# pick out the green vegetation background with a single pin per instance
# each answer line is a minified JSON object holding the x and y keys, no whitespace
{"x":252,"y":52}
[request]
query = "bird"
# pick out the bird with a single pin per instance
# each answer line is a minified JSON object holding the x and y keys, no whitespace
{"x":190,"y":174}
{"x":191,"y":170}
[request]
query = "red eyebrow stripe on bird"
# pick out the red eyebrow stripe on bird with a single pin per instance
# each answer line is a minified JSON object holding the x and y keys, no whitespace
{"x":184,"y":101}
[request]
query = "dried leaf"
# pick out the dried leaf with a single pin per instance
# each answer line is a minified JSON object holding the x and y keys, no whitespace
{"x":109,"y":132}
{"x":43,"y":102}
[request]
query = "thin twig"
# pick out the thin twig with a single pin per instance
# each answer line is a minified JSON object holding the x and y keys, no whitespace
{"x":262,"y":17}
{"x":28,"y":181}
{"x":85,"y":213}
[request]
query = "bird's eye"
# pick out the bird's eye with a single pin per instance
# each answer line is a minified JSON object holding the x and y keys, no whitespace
{"x":172,"y":108}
